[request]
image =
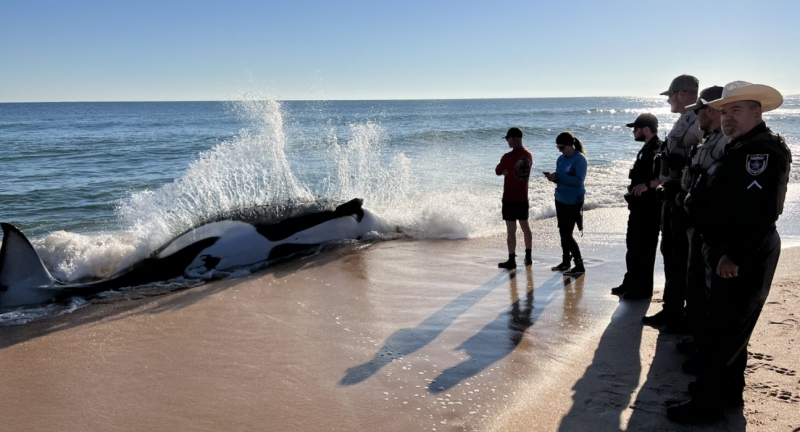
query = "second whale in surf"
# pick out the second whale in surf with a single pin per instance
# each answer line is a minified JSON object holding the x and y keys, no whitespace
{"x":230,"y":241}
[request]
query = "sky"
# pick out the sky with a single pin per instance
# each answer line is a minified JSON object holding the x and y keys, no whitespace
{"x":181,"y":50}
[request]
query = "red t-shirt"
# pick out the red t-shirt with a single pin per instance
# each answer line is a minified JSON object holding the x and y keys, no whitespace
{"x":518,"y":162}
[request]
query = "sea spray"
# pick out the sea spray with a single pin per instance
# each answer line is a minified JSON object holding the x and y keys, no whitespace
{"x":426,"y":196}
{"x":253,"y":168}
{"x":362,"y":167}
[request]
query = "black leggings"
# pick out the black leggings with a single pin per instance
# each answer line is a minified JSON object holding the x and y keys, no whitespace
{"x":568,"y":215}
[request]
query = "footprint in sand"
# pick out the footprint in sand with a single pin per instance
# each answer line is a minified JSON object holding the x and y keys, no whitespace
{"x":779,"y":370}
{"x":759,"y":356}
{"x":789,"y":322}
{"x":774,"y":390}
{"x":786,"y":396}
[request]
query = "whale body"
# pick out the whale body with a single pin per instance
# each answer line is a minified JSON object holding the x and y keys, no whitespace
{"x":227,"y":242}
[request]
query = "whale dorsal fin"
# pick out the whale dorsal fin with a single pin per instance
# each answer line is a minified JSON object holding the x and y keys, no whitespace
{"x":20,"y":265}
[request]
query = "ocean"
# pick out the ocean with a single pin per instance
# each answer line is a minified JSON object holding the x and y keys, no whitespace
{"x":98,"y":186}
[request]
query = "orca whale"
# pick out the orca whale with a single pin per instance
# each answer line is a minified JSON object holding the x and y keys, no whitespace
{"x":229,"y":241}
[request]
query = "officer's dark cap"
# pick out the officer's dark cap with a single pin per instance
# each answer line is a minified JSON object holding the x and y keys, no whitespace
{"x":643,"y":120}
{"x":706,"y":96}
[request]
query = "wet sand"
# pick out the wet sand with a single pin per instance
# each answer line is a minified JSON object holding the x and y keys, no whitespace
{"x":398,"y":336}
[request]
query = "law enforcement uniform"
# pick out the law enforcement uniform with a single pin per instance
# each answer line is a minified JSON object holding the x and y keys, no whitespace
{"x":674,"y":222}
{"x":707,"y":152}
{"x":644,"y":222}
{"x":735,"y":206}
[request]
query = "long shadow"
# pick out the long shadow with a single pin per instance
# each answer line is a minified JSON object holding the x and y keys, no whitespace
{"x":501,"y":336}
{"x":408,"y":340}
{"x":104,"y":309}
{"x":667,"y":385}
{"x":605,"y":389}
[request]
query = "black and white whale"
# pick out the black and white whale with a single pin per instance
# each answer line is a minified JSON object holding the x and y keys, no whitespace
{"x":229,"y":241}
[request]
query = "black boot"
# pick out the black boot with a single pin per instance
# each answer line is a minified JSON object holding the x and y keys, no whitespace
{"x":577,"y":270}
{"x":510,"y":264}
{"x":528,"y":259}
{"x":564,"y":266}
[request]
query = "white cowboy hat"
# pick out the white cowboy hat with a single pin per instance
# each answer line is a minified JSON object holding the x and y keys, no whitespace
{"x":768,"y":97}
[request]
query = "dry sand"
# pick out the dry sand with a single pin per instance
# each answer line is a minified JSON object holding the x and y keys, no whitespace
{"x":397,"y":336}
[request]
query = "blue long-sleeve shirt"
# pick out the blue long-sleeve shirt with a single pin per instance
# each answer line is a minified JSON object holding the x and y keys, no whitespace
{"x":570,"y":176}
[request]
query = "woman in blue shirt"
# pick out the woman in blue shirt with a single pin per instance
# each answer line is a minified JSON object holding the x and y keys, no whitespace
{"x":570,"y":190}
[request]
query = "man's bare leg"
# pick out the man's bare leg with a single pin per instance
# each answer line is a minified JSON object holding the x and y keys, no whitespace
{"x":511,"y":236}
{"x":526,"y":234}
{"x":511,"y":240}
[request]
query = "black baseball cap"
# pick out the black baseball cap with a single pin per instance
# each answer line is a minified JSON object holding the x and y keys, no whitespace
{"x":643,"y":120}
{"x":683,"y":82}
{"x":514,"y":132}
{"x":707,"y":95}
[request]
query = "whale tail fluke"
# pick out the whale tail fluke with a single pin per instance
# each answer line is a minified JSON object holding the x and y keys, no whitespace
{"x":20,"y":269}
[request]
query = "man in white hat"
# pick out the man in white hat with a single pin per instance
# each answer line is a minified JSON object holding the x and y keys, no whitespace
{"x":736,"y":203}
{"x":684,"y":136}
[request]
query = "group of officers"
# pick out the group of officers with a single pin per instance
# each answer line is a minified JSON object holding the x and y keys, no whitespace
{"x":714,"y":190}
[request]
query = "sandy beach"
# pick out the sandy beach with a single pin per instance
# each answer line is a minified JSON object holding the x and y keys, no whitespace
{"x":399,"y":335}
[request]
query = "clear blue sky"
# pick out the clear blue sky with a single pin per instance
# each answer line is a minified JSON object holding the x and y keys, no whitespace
{"x":125,"y":50}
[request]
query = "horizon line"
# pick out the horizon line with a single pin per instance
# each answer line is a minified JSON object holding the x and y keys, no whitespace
{"x":349,"y":100}
{"x":337,"y":100}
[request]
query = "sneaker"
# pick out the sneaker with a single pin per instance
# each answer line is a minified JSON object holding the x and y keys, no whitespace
{"x":508,"y":265}
{"x":620,"y":290}
{"x":564,"y":266}
{"x":577,"y":270}
{"x":660,"y":319}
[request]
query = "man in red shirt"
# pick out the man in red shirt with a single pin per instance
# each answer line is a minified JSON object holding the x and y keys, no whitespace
{"x":516,"y":167}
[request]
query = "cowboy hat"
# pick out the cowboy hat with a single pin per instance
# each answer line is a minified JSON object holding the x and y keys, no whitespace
{"x":736,"y":91}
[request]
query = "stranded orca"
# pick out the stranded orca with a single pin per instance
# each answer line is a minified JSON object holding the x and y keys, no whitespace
{"x":229,"y":241}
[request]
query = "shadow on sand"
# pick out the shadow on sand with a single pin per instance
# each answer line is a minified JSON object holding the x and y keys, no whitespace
{"x":605,"y":392}
{"x":501,"y":336}
{"x":495,"y":341}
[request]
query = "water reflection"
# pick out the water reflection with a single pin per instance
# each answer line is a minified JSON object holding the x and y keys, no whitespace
{"x":408,"y":340}
{"x":501,"y":336}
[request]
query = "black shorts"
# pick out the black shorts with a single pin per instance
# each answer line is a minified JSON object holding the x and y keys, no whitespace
{"x":514,"y":211}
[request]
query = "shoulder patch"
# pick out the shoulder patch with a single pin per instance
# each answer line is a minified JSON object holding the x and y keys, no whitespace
{"x":756,"y":163}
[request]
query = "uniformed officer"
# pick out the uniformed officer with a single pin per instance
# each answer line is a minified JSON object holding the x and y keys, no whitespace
{"x":644,"y":215}
{"x":705,"y":153}
{"x":736,"y":204}
{"x":685,"y":134}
